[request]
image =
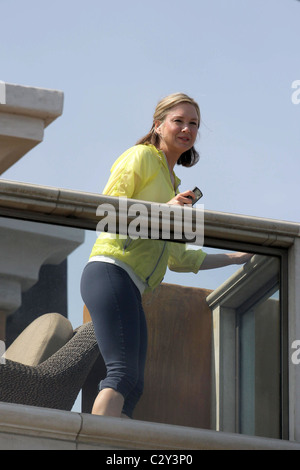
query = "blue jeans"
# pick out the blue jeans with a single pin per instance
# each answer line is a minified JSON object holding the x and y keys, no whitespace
{"x":115,"y":305}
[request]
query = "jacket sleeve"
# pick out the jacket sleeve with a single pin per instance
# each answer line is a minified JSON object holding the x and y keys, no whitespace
{"x":183,"y":260}
{"x":127,"y":174}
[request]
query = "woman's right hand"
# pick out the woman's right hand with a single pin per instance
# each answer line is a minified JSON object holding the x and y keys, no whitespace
{"x":182,"y":199}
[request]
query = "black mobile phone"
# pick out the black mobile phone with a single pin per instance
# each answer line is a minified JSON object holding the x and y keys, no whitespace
{"x":198,"y":193}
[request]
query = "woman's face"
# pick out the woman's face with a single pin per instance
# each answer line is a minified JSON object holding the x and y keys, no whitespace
{"x":179,"y":130}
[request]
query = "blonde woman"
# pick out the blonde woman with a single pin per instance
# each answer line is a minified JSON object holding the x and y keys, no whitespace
{"x":120,"y":270}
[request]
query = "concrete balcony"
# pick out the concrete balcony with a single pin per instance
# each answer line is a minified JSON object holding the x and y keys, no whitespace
{"x":24,"y":114}
{"x":32,"y":428}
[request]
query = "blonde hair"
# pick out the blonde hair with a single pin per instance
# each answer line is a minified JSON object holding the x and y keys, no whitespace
{"x":164,"y":106}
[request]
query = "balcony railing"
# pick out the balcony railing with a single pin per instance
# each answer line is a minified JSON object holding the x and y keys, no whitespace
{"x":278,"y":239}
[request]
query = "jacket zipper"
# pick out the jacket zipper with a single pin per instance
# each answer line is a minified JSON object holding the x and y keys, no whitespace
{"x":164,"y":163}
{"x":127,"y":243}
{"x":157,"y":263}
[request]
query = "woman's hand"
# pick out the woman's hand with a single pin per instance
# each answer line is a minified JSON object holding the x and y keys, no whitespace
{"x":213,"y":261}
{"x":182,"y":198}
{"x":240,"y":258}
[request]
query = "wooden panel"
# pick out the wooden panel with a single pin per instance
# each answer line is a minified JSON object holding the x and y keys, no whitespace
{"x":178,"y":369}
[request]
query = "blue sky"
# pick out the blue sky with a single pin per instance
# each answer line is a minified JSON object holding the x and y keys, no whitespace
{"x":115,"y":60}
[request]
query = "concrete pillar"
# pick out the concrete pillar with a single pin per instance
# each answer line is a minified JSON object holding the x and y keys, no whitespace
{"x":294,"y":337}
{"x":24,"y":248}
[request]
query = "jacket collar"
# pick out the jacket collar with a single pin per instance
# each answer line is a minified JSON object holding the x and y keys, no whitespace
{"x":163,"y":160}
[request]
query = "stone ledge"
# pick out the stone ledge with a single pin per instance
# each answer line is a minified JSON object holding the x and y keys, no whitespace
{"x":43,"y":429}
{"x":24,"y":113}
{"x":31,"y":101}
{"x":78,"y":209}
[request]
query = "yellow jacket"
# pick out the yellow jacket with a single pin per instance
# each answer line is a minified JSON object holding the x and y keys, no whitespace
{"x":142,"y":173}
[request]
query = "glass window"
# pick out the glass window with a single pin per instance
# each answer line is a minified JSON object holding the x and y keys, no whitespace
{"x":247,"y":349}
{"x":240,"y":308}
{"x":259,"y":368}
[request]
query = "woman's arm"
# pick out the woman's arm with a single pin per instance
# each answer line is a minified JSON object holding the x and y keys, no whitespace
{"x":218,"y":260}
{"x":224,"y":259}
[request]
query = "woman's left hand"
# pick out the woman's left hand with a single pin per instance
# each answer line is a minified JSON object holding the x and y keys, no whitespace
{"x":219,"y":260}
{"x":240,"y":258}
